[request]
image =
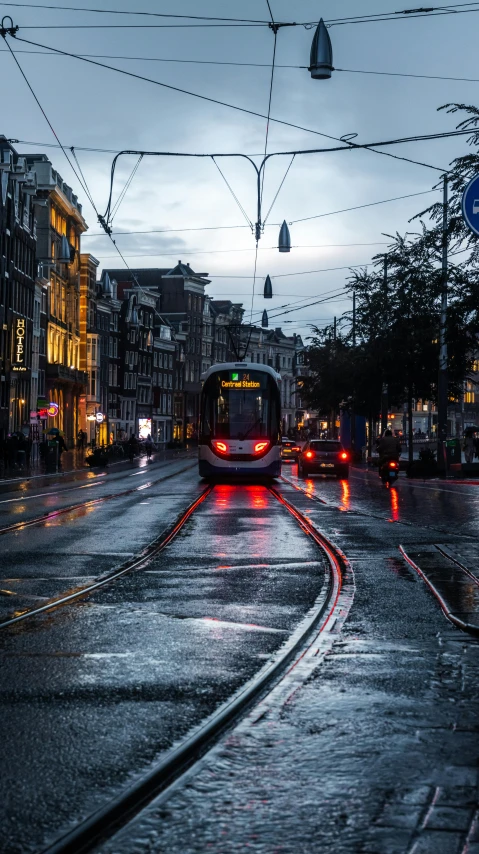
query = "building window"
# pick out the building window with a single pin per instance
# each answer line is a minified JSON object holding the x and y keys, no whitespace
{"x":93,"y":383}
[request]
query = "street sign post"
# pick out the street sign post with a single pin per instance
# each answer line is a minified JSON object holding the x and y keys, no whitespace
{"x":470,"y":205}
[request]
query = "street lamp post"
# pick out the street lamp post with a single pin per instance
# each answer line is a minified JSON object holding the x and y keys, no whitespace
{"x":442,"y":385}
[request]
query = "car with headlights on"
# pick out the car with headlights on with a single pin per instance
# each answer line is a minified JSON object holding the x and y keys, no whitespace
{"x":324,"y":456}
{"x":289,"y":450}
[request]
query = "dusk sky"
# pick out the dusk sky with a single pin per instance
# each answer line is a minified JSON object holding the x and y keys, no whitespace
{"x":97,"y":108}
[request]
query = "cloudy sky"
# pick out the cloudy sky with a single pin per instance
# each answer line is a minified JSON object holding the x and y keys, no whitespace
{"x":96,"y":108}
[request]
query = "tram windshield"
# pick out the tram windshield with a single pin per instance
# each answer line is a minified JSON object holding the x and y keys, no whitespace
{"x":240,"y":405}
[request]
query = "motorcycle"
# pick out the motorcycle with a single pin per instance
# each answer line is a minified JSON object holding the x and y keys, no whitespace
{"x":389,"y":471}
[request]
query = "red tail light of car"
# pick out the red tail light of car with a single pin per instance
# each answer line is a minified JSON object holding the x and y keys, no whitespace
{"x":344,"y":456}
{"x":222,"y":447}
{"x":309,"y":455}
{"x":295,"y":449}
{"x":260,"y":446}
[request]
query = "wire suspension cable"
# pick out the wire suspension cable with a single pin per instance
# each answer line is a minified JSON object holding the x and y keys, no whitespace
{"x":125,"y":189}
{"x":254,"y":280}
{"x":278,"y":191}
{"x":233,"y":194}
{"x":350,"y":145}
{"x":275,"y":34}
{"x":48,"y":121}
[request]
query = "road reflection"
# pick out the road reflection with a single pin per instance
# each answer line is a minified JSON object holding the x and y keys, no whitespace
{"x":394,"y":504}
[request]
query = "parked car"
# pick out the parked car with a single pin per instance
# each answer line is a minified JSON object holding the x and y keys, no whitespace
{"x":324,"y":456}
{"x":290,"y":450}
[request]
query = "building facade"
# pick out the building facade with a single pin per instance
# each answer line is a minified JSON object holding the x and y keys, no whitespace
{"x":60,"y":225}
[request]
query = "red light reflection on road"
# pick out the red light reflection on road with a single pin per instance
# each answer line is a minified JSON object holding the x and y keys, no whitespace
{"x":223,"y":494}
{"x":309,"y":488}
{"x":346,"y":496}
{"x":394,"y":504}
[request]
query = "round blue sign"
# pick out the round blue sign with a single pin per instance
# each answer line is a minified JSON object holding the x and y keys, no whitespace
{"x":470,"y":205}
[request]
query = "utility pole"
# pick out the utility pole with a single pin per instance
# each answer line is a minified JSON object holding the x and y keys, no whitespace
{"x":385,"y":387}
{"x":442,"y":385}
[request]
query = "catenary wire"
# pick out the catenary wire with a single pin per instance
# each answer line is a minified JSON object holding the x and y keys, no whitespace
{"x":79,"y":178}
{"x":406,"y":14}
{"x":233,"y":193}
{"x":123,"y":193}
{"x":271,"y":225}
{"x":249,"y":65}
{"x":190,"y":251}
{"x":350,"y":146}
{"x":84,"y":185}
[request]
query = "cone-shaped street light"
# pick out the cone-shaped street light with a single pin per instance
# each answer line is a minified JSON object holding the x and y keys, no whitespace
{"x":264,"y":320}
{"x":321,"y":61}
{"x":268,"y":288}
{"x":284,"y":241}
{"x":64,"y":256}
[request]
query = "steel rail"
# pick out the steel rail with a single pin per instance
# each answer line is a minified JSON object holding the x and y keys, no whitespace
{"x":470,"y":628}
{"x":106,"y":821}
{"x":45,"y":517}
{"x":138,"y":562}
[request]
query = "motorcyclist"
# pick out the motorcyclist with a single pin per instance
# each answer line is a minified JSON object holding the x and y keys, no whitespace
{"x":389,"y":447}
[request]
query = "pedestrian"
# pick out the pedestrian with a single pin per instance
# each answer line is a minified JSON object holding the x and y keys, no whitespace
{"x":80,"y":440}
{"x":468,"y":446}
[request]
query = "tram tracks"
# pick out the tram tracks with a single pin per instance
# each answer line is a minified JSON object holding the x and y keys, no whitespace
{"x":45,"y":518}
{"x":330,"y":609}
{"x":137,"y":562}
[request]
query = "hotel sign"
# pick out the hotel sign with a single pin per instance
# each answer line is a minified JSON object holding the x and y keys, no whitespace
{"x":19,"y":345}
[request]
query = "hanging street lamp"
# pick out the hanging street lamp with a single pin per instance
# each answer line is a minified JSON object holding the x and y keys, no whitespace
{"x":264,"y":320}
{"x":321,"y":60}
{"x":268,"y":288}
{"x":284,"y":240}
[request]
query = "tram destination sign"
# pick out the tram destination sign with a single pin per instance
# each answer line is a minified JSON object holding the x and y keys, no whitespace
{"x":242,"y":382}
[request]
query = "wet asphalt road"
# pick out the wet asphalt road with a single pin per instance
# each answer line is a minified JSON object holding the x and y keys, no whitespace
{"x":376,"y":754}
{"x":92,"y":693}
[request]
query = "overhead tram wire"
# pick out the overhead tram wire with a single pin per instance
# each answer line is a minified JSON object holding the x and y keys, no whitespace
{"x":350,"y":145}
{"x":406,"y":14}
{"x":246,"y":65}
{"x":190,"y":251}
{"x":229,"y":227}
{"x":79,"y":177}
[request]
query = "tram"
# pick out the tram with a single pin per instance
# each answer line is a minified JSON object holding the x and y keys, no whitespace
{"x":240,"y":421}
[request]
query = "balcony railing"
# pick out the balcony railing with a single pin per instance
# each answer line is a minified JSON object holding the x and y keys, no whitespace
{"x":62,"y":372}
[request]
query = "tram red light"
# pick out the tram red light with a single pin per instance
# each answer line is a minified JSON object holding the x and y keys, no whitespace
{"x":221,"y":447}
{"x":260,"y":446}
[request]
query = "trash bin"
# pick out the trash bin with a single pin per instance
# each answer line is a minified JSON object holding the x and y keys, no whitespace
{"x":453,"y":451}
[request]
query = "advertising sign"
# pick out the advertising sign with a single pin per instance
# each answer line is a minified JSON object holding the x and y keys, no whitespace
{"x":144,"y":427}
{"x":19,"y":345}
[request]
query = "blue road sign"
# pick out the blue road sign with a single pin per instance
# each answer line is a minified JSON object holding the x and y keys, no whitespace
{"x":470,"y":205}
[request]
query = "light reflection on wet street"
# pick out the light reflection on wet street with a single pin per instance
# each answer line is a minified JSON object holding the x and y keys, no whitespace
{"x":376,"y":753}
